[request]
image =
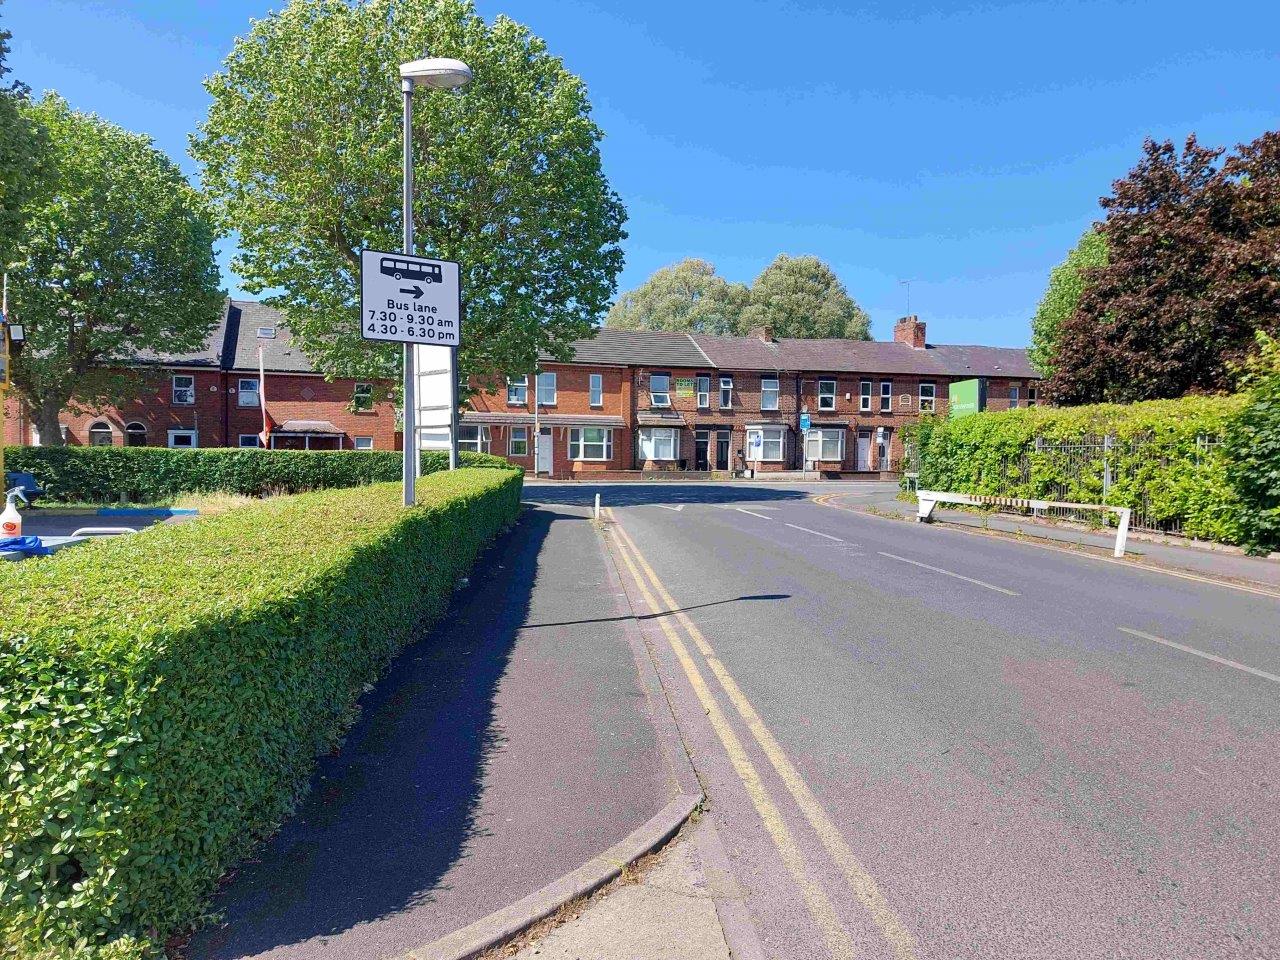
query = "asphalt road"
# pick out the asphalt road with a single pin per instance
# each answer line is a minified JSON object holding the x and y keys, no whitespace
{"x":921,"y":743}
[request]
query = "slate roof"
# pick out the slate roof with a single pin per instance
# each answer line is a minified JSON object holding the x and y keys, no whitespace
{"x":655,"y":348}
{"x":244,"y":317}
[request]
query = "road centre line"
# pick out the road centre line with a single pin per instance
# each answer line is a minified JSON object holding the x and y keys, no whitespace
{"x":860,"y":880}
{"x":750,"y":513}
{"x":816,"y":900}
{"x":1200,"y":653}
{"x":816,"y":533}
{"x":981,"y":583}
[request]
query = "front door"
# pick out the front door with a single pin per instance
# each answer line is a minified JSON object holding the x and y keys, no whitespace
{"x":722,"y":450}
{"x":544,"y":451}
{"x":701,"y":445}
{"x":864,"y":449}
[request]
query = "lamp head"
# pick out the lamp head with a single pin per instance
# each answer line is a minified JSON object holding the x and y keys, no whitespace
{"x":439,"y":73}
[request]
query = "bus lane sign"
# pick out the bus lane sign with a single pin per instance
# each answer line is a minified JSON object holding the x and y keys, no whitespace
{"x":410,"y":299}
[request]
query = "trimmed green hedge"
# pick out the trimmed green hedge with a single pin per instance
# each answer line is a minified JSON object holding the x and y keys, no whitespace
{"x":1158,"y":459}
{"x":1252,"y":448}
{"x":153,"y":474}
{"x":163,"y":696}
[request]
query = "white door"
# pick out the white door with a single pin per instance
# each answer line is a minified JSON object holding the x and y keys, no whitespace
{"x":544,"y":450}
{"x":864,"y":450}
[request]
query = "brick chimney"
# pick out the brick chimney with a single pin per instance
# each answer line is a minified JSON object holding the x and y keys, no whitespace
{"x":909,"y":330}
{"x":762,"y":333}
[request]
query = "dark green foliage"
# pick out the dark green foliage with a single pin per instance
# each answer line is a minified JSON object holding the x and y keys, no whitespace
{"x":163,"y":696}
{"x":1252,"y":446}
{"x":1158,"y":460}
{"x":155,"y":474}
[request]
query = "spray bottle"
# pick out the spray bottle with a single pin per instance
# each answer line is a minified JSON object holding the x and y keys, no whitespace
{"x":11,"y":519}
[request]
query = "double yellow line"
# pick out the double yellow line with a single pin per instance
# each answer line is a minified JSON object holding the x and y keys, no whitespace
{"x":820,"y":907}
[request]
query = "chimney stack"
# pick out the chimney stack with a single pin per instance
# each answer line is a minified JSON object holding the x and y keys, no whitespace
{"x":909,"y":330}
{"x":762,"y":333}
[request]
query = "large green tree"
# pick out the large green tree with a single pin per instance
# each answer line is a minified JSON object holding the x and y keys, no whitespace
{"x":301,"y":152}
{"x":686,"y":296}
{"x":114,"y":262}
{"x":1067,"y":282}
{"x":24,"y":148}
{"x":802,"y":297}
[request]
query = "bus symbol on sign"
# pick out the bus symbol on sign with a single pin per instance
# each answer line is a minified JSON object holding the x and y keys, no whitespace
{"x":408,"y":270}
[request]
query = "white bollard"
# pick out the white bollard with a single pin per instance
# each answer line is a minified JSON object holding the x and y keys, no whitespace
{"x":597,"y":513}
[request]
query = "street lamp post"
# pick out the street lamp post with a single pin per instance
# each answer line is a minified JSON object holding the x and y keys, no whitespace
{"x":436,"y":73}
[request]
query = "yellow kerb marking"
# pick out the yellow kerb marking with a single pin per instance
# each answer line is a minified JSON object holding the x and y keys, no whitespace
{"x":864,"y":886}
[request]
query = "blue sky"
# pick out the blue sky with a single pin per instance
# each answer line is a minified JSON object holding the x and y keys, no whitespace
{"x":962,"y":146}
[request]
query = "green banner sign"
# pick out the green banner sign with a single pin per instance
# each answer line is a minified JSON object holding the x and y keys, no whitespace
{"x":686,"y":386}
{"x":965,"y":397}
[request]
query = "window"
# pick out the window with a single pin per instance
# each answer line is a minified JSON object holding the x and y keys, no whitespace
{"x":247,"y":392}
{"x":595,"y":390}
{"x":704,"y":392}
{"x":1032,"y":396}
{"x":660,"y":390}
{"x":659,"y":443}
{"x":590,"y":443}
{"x":266,"y":333}
{"x":473,"y":438}
{"x":886,"y":396}
{"x":824,"y":445}
{"x":184,"y":389}
{"x":726,"y":393}
{"x":764,"y":443}
{"x":100,"y":434}
{"x":826,"y":394}
{"x":768,"y":393}
{"x":927,"y":392}
{"x":182,"y":438}
{"x":518,"y":391}
{"x":1014,"y":396}
{"x":518,"y":442}
{"x":363,"y":443}
{"x":362,"y":397}
{"x":249,"y":440}
{"x":864,"y":396}
{"x":135,"y":434}
{"x":547,"y":389}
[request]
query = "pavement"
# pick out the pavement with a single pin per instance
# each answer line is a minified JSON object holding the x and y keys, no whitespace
{"x":506,"y":748}
{"x":916,"y":742}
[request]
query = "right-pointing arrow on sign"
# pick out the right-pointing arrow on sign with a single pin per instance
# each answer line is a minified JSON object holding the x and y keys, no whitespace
{"x":415,"y":290}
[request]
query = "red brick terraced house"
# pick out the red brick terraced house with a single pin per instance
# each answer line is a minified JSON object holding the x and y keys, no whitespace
{"x":211,"y":398}
{"x":631,"y":403}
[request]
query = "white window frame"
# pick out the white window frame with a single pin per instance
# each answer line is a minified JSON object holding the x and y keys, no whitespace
{"x":578,"y":444}
{"x":931,"y":397}
{"x":886,"y":396}
{"x":524,"y":442}
{"x":254,"y":441}
{"x":359,"y":390}
{"x":195,"y":439}
{"x":826,"y":398}
{"x":595,"y":390}
{"x":177,"y":391}
{"x":864,"y":396}
{"x":518,"y":391}
{"x":816,"y":439}
{"x":546,"y":379}
{"x":704,"y":391}
{"x":651,"y":436}
{"x":767,"y":438}
{"x":481,"y":442}
{"x":726,"y":390}
{"x":657,"y":397}
{"x":250,"y":391}
{"x":359,"y":443}
{"x":765,"y":390}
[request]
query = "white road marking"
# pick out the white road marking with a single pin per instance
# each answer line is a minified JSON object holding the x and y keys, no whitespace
{"x":760,"y":515}
{"x":816,"y":533}
{"x":1200,"y":653}
{"x":667,"y":506}
{"x":981,"y":583}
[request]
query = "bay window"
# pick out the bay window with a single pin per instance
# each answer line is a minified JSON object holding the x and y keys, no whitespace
{"x":590,"y":443}
{"x":824,"y":445}
{"x":659,"y":443}
{"x":765,"y":443}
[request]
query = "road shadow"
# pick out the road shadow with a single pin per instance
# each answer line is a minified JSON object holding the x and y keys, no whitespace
{"x":663,"y":613}
{"x":581,"y":493}
{"x":388,"y":815}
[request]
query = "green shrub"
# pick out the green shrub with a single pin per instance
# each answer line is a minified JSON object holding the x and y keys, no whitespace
{"x":154,"y":474}
{"x":1159,"y":458}
{"x":1252,"y":447}
{"x":163,"y":695}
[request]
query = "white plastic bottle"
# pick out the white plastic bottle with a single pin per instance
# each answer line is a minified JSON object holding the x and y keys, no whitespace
{"x":11,"y":519}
